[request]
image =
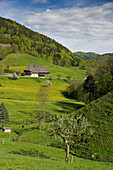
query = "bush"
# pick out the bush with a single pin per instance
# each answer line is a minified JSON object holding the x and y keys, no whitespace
{"x":22,"y":74}
{"x":14,"y":76}
{"x":9,"y":71}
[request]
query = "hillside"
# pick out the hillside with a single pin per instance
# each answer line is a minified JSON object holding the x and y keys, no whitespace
{"x":86,"y":56}
{"x":100,"y":115}
{"x":19,"y":61}
{"x":92,"y":56}
{"x":25,"y":40}
{"x":23,"y":97}
{"x":20,"y":97}
{"x":32,"y":156}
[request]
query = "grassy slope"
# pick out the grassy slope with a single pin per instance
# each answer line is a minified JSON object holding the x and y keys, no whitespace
{"x":20,"y":96}
{"x":25,"y":156}
{"x":100,"y":115}
{"x":23,"y":60}
{"x":20,"y":99}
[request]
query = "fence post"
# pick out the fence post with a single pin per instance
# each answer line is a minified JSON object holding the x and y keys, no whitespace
{"x":71,"y":158}
{"x":110,"y":164}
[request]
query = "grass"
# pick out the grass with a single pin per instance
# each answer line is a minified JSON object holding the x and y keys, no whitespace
{"x":20,"y":97}
{"x":22,"y":60}
{"x":32,"y":156}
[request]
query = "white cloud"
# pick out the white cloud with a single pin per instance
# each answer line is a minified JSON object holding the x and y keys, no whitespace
{"x":86,"y":29}
{"x":38,"y":1}
{"x":7,"y":9}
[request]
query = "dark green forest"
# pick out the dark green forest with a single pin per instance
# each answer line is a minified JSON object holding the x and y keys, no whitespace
{"x":92,"y":56}
{"x":20,"y":38}
{"x":98,"y":83}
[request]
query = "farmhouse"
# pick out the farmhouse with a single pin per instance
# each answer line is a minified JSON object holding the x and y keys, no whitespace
{"x":36,"y":71}
{"x":6,"y":129}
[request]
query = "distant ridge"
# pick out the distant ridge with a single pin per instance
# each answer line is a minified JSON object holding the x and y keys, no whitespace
{"x":91,"y":55}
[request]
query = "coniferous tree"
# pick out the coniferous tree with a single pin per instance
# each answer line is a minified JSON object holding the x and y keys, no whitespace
{"x":4,"y":115}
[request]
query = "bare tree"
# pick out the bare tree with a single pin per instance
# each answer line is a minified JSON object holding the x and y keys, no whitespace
{"x":39,"y":116}
{"x":43,"y":96}
{"x":67,"y":128}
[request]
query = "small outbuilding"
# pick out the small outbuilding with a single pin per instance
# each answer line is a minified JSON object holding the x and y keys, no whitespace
{"x":6,"y":129}
{"x":36,"y":71}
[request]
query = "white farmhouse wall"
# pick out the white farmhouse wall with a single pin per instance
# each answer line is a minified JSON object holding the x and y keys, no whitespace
{"x":34,"y":75}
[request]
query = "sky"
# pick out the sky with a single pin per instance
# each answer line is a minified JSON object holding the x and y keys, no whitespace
{"x":79,"y":25}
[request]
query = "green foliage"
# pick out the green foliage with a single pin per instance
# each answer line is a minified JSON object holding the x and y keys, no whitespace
{"x":4,"y":115}
{"x":86,"y":56}
{"x":14,"y":76}
{"x":59,"y":76}
{"x":68,"y":127}
{"x":100,"y":115}
{"x":96,"y":85}
{"x":38,"y":45}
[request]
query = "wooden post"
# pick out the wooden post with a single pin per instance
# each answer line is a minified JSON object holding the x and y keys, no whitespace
{"x":71,"y":158}
{"x":110,"y":164}
{"x":3,"y":140}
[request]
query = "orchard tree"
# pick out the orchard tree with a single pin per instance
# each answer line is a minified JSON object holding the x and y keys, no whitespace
{"x":43,"y":96}
{"x":67,"y":128}
{"x":4,"y":115}
{"x":39,"y":116}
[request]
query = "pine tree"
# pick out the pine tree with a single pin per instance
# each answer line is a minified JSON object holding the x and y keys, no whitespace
{"x":4,"y":115}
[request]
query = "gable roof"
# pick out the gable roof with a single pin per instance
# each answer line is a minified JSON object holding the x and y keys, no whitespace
{"x":36,"y":69}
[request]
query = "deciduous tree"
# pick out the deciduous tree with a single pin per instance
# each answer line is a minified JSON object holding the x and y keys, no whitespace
{"x":43,"y":96}
{"x":67,"y":128}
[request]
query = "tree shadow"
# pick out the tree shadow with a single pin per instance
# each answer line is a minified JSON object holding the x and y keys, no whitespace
{"x":68,"y":107}
{"x":30,"y":153}
{"x":19,"y":132}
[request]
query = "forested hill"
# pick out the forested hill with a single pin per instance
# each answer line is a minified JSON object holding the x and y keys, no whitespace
{"x":16,"y":37}
{"x":92,"y":56}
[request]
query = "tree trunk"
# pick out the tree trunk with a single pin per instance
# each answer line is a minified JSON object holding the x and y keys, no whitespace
{"x":44,"y":110}
{"x":67,"y":152}
{"x":40,"y":124}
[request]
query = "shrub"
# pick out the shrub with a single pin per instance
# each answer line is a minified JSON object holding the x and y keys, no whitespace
{"x":22,"y":74}
{"x":14,"y":76}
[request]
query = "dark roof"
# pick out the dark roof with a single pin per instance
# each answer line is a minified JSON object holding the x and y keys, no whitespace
{"x":38,"y":69}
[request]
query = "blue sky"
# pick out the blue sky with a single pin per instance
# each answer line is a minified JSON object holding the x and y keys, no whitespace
{"x":80,"y":25}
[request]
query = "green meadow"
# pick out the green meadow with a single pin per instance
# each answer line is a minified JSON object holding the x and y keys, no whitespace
{"x":26,"y":148}
{"x":20,"y":96}
{"x":27,"y":156}
{"x":21,"y":60}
